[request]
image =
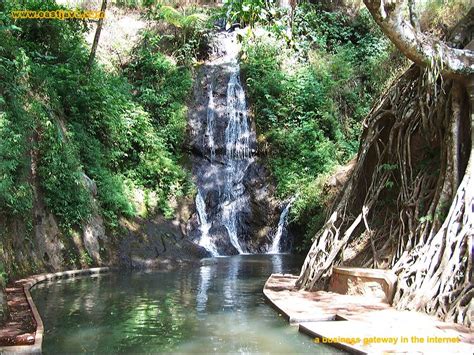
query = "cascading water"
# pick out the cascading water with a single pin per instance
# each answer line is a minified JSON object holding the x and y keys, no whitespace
{"x":275,"y":247}
{"x":237,"y":133}
{"x":210,"y":124}
{"x":237,"y":155}
{"x":232,"y":184}
{"x":205,"y":241}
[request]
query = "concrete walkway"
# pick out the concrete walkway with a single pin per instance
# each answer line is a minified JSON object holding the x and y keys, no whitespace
{"x":364,"y":325}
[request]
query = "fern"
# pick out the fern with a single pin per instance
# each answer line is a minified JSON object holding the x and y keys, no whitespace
{"x":179,"y":19}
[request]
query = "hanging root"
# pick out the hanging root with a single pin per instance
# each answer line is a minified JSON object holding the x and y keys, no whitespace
{"x":409,"y":202}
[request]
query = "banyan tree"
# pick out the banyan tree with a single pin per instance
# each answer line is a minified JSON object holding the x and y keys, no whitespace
{"x":409,"y":203}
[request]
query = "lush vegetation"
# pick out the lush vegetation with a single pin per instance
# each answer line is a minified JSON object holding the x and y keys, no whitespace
{"x":312,"y":76}
{"x":64,"y":123}
{"x":311,"y":82}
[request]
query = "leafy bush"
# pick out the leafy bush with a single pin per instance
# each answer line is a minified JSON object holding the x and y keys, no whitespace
{"x":246,"y":12}
{"x":16,"y":196}
{"x":162,"y":88}
{"x":15,"y":192}
{"x":59,"y":172}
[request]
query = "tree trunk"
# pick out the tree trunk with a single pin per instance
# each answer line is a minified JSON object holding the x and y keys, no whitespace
{"x":422,"y":49}
{"x":95,"y":43}
{"x":443,"y":281}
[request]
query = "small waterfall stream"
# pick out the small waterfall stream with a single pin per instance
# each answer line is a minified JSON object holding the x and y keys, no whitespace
{"x":210,"y":123}
{"x":282,"y":223}
{"x":205,"y":241}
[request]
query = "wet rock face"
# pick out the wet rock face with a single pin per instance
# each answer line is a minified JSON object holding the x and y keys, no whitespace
{"x":93,"y":233}
{"x":239,"y":211}
{"x":222,"y":242}
{"x":156,"y":243}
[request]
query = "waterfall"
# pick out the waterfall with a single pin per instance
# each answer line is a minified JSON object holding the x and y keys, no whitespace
{"x":237,"y":155}
{"x":275,"y":247}
{"x":224,"y":163}
{"x":237,"y":133}
{"x":205,"y":241}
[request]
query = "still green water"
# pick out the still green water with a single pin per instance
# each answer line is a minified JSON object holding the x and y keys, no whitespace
{"x":217,"y":308}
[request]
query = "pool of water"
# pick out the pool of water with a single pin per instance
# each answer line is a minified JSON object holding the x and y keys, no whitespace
{"x":208,"y":309}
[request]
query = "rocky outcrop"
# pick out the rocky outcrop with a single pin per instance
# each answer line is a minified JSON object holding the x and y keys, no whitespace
{"x":156,"y":243}
{"x":264,"y":208}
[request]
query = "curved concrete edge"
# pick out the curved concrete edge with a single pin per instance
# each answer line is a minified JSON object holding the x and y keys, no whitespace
{"x":32,"y":281}
{"x":302,"y":328}
{"x":273,"y":304}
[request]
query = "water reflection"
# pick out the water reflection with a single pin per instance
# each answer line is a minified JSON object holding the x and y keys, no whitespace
{"x":230,"y":282}
{"x":214,"y":308}
{"x":205,"y":273}
{"x":277,"y":264}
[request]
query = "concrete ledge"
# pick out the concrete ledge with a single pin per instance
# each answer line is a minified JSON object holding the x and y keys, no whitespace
{"x":382,"y":337}
{"x":276,"y":289}
{"x":30,"y":282}
{"x":298,"y":306}
{"x":376,"y":283}
{"x":320,"y":331}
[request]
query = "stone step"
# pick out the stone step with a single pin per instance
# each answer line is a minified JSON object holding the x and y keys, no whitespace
{"x":375,"y":284}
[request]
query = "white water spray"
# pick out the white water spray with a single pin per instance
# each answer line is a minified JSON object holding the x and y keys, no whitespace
{"x":205,"y":241}
{"x":210,"y":123}
{"x":237,"y":133}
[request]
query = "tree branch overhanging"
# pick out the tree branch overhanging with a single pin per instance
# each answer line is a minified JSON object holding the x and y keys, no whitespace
{"x":421,"y":48}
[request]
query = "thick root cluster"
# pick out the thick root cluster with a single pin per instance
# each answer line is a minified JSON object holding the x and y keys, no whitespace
{"x":409,"y":202}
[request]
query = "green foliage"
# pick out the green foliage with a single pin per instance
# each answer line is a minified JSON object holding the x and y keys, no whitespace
{"x":247,"y":12}
{"x":85,"y":258}
{"x":181,"y":20}
{"x":91,"y":123}
{"x":439,"y":16}
{"x":15,"y":192}
{"x":59,"y":173}
{"x":184,"y":34}
{"x":310,"y":91}
{"x":15,"y":128}
{"x":162,"y":88}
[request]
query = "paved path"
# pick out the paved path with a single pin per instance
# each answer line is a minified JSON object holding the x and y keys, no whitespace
{"x":364,"y":325}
